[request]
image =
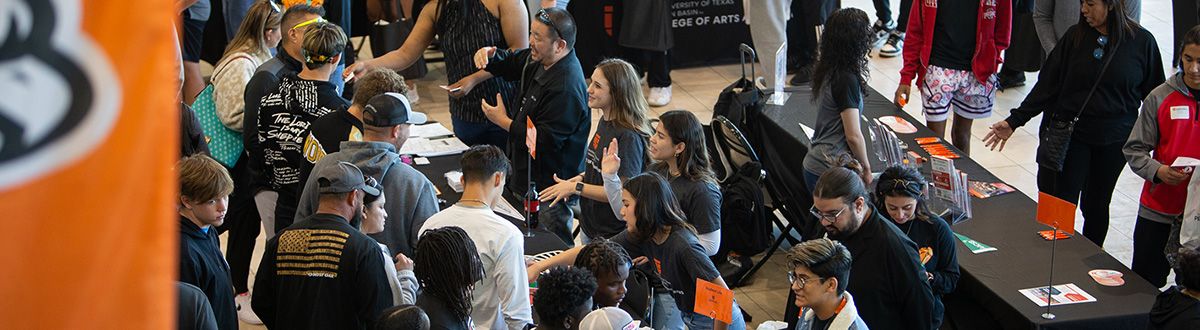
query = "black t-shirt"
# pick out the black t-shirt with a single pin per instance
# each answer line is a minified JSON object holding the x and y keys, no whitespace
{"x":326,"y":135}
{"x":819,"y":324}
{"x":700,"y":201}
{"x":440,"y":317}
{"x":954,"y":34}
{"x":679,"y":261}
{"x":321,"y":273}
{"x":597,"y":218}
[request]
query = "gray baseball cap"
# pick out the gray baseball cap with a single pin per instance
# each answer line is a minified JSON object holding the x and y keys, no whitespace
{"x":391,"y":109}
{"x":343,"y":178}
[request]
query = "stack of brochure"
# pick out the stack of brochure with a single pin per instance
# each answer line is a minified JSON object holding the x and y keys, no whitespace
{"x":951,"y":185}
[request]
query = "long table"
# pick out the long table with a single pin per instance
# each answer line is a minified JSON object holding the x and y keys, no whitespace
{"x":541,"y":240}
{"x":990,"y":280}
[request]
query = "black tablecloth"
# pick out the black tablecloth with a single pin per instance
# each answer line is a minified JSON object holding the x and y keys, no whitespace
{"x":542,"y":240}
{"x":1022,"y":259}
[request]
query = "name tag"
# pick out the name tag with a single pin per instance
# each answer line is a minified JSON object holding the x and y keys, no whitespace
{"x":1180,"y":112}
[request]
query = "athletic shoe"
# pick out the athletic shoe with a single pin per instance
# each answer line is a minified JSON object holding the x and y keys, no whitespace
{"x":659,"y":96}
{"x":802,"y":76}
{"x":245,"y":314}
{"x":882,"y":30}
{"x":894,"y":45}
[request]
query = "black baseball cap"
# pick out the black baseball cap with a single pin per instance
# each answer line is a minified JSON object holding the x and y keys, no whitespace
{"x":391,"y":109}
{"x":343,"y":178}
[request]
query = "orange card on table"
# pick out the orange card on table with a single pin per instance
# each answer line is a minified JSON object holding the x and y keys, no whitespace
{"x":1056,"y":212}
{"x":714,"y":301}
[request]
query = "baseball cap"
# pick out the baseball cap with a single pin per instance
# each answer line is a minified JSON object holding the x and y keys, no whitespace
{"x":343,"y":178}
{"x":608,"y":318}
{"x":390,"y":109}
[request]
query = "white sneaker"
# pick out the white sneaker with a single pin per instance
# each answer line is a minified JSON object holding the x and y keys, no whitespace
{"x":245,"y":314}
{"x":894,"y":45}
{"x":659,"y":96}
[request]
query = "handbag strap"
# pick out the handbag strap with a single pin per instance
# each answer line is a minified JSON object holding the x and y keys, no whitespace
{"x":218,"y":71}
{"x":1103,"y":68}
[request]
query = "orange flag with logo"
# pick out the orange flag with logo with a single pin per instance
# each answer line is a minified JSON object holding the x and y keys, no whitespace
{"x":89,"y":133}
{"x":531,"y":138}
{"x":1055,"y":212}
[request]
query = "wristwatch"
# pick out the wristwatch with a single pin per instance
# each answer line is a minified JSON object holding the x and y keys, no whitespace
{"x":579,"y":188}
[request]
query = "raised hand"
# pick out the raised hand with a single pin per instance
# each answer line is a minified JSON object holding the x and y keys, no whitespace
{"x":611,"y":163}
{"x":998,"y":136}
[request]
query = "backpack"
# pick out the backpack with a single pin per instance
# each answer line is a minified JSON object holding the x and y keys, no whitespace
{"x":745,"y":229}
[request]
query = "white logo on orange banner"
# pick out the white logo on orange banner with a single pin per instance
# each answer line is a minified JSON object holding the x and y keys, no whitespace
{"x":58,"y":97}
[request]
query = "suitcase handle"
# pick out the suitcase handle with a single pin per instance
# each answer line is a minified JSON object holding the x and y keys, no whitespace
{"x":743,"y":50}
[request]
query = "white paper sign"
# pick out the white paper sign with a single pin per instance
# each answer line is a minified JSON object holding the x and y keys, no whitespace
{"x":779,"y":97}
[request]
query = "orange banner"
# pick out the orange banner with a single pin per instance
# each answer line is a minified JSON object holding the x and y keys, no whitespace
{"x":1055,"y":212}
{"x":89,"y":130}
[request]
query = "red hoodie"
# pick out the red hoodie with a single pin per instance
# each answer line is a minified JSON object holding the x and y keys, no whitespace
{"x":991,"y":38}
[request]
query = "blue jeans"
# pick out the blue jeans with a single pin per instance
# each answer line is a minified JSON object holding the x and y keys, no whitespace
{"x":480,"y":133}
{"x":700,"y":322}
{"x":665,"y":314}
{"x":336,"y":78}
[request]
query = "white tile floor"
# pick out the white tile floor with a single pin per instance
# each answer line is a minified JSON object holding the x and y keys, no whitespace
{"x":696,"y":90}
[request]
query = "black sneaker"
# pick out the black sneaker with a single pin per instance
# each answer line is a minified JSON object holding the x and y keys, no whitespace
{"x":894,"y":46}
{"x":1009,"y":79}
{"x":802,"y":76}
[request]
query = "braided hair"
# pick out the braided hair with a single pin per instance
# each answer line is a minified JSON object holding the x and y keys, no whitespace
{"x":447,"y":266}
{"x":603,"y":255}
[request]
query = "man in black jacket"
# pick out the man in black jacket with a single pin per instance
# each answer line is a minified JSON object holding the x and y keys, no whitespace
{"x":887,"y":280}
{"x":321,"y":273}
{"x":554,"y":99}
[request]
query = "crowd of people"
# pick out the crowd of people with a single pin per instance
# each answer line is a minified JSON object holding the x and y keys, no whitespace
{"x":357,"y":237}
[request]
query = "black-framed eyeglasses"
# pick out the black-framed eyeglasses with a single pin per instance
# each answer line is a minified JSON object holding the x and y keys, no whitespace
{"x":544,"y":17}
{"x":831,"y":218}
{"x":1098,"y":53}
{"x":792,"y":278}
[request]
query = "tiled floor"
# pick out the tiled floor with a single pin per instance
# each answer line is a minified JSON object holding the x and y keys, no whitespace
{"x":696,"y":90}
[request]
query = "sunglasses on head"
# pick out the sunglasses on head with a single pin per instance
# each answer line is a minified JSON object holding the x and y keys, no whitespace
{"x":309,"y":22}
{"x":544,"y":17}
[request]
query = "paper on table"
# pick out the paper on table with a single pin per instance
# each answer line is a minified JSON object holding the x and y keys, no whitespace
{"x":430,"y":130}
{"x":807,"y":130}
{"x":714,"y":301}
{"x":1062,"y":294}
{"x":430,"y":148}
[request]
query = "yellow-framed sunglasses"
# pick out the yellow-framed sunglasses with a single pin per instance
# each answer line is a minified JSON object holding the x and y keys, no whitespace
{"x":316,"y":20}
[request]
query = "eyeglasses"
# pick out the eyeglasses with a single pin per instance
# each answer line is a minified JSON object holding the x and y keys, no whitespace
{"x":274,"y":6}
{"x":316,"y":20}
{"x":792,"y":278}
{"x":544,"y":17}
{"x":1098,"y":53}
{"x":830,"y":218}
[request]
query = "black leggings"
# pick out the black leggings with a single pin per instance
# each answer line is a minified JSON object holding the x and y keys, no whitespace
{"x":883,"y":10}
{"x":1149,"y":241}
{"x":1089,"y":175}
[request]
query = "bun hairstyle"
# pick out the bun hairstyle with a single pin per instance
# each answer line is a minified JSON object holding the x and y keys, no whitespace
{"x":843,"y":180}
{"x":903,"y":181}
{"x":322,"y":42}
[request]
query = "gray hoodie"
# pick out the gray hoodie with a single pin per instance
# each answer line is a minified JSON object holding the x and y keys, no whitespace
{"x":410,"y":197}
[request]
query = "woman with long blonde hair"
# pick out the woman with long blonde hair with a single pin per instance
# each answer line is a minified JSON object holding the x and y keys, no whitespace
{"x":250,"y":47}
{"x":615,"y":91}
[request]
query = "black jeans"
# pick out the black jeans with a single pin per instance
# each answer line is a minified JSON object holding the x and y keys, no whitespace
{"x":656,"y":65}
{"x":902,"y":21}
{"x":1149,"y":261}
{"x":1089,"y":175}
{"x":243,"y":224}
{"x":883,"y":10}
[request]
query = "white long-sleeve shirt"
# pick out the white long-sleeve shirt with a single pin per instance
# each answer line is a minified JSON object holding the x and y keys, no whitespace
{"x":501,"y":299}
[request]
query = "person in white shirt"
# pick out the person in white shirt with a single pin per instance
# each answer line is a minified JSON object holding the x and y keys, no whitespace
{"x":501,"y":298}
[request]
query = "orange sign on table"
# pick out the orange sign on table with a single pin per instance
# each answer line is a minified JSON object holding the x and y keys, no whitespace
{"x":531,"y":138}
{"x":1055,"y":212}
{"x":714,"y":301}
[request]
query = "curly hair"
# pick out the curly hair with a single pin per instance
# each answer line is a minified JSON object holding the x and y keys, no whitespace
{"x":845,"y":43}
{"x":447,"y":266}
{"x":561,"y":291}
{"x":603,"y":255}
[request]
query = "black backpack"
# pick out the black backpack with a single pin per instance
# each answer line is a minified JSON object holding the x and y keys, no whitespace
{"x":744,"y":226}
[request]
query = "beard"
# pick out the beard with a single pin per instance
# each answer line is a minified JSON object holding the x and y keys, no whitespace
{"x":852,"y":226}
